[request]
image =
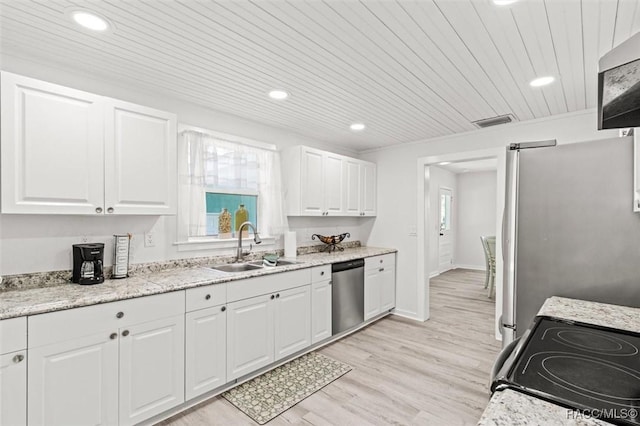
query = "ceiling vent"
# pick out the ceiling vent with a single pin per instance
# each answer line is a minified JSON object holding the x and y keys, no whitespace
{"x":495,"y":121}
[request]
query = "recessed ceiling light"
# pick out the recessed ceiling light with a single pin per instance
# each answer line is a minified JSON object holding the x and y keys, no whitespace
{"x":90,"y":20}
{"x":542,"y":81}
{"x":357,"y":127}
{"x":503,"y":2}
{"x":278,"y":94}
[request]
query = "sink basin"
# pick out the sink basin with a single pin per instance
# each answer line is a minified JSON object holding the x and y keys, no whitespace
{"x":236,"y":267}
{"x":280,"y":263}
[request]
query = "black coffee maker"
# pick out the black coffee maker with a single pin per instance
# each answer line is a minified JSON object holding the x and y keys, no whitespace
{"x":87,"y":263}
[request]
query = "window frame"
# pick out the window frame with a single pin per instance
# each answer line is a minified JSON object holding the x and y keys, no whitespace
{"x":186,"y":242}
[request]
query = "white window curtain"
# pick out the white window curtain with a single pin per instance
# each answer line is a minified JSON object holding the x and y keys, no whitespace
{"x":209,"y":162}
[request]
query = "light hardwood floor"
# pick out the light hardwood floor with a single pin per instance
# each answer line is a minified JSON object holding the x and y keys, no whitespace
{"x":404,"y":372}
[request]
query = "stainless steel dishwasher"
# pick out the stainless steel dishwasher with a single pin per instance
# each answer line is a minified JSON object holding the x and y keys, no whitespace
{"x":347,"y":298}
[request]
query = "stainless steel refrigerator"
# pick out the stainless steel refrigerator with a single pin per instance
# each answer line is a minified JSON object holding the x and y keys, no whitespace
{"x":569,"y":228}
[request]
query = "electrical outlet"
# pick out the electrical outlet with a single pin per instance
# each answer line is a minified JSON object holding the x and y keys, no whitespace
{"x":149,"y":239}
{"x":84,"y":239}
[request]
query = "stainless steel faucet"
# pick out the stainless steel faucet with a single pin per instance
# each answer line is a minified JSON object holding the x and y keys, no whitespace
{"x":256,"y":239}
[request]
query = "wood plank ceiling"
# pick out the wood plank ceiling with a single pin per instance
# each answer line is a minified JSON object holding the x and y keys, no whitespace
{"x":408,"y":70}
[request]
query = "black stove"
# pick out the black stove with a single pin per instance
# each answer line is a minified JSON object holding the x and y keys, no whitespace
{"x":580,"y":366}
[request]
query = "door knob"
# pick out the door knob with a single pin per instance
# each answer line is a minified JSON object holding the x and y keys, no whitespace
{"x":272,"y":297}
{"x":110,"y":210}
{"x":112,"y":336}
{"x":207,"y":297}
{"x":224,"y":308}
{"x":98,"y":210}
{"x":18,"y":358}
{"x":125,"y":333}
{"x":119,"y":314}
{"x":278,"y":296}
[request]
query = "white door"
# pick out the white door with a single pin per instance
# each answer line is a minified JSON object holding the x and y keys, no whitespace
{"x":206,"y":350}
{"x":140,"y":160}
{"x":368,"y":188}
{"x":445,"y":224}
{"x":74,"y":382}
{"x":352,"y":187}
{"x":320,"y":311}
{"x":387,"y":289}
{"x":311,"y":184}
{"x":151,"y":368}
{"x":51,"y":148}
{"x":333,"y":187}
{"x":13,"y":388}
{"x":372,"y":288}
{"x":249,"y":335}
{"x":292,"y":321}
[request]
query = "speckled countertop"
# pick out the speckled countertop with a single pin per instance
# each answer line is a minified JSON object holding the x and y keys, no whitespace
{"x":31,"y":301}
{"x":510,"y":407}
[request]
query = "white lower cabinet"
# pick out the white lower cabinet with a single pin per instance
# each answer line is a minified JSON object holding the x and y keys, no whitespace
{"x":249,"y":335}
{"x":13,"y":371}
{"x":320,"y":311}
{"x":108,"y":364}
{"x":263,"y":329}
{"x":292,"y":325}
{"x":13,"y":388}
{"x":205,"y":350}
{"x":74,"y":382}
{"x":379,"y":285}
{"x":151,"y":368}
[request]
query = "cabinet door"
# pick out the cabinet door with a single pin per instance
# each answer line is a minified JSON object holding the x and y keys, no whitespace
{"x":13,"y":388}
{"x":320,"y":311}
{"x":352,"y":187}
{"x":51,"y":148}
{"x":368,"y":188}
{"x":249,"y":335}
{"x":333,"y":184}
{"x":74,"y":382}
{"x":311,"y":194}
{"x":387,"y":289}
{"x":292,"y":328}
{"x":206,"y":351}
{"x":140,"y":159}
{"x":151,"y":368}
{"x":372,"y":288}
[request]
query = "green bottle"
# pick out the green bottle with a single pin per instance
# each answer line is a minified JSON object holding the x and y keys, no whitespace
{"x":242,"y":215}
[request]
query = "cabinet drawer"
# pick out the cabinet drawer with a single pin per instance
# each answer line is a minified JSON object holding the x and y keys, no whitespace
{"x":13,"y":335}
{"x":206,"y":297}
{"x":320,"y":273}
{"x":385,"y":260}
{"x":73,"y":323}
{"x":251,"y":287}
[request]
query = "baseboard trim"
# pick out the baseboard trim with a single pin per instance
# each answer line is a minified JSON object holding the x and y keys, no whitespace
{"x":409,"y":315}
{"x":434,"y":274}
{"x":474,"y":267}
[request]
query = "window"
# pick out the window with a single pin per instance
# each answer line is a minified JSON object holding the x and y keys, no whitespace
{"x":222,"y":172}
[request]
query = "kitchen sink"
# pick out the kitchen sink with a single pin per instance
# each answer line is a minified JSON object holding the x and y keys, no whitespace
{"x":236,"y":267}
{"x":279,"y":263}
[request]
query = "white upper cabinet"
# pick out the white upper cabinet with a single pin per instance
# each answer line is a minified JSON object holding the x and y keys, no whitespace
{"x":64,"y":151}
{"x":320,"y":183}
{"x":140,"y":159}
{"x":51,"y":148}
{"x":636,"y":169}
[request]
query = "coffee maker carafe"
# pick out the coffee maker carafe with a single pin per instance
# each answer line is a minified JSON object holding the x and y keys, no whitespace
{"x":87,"y":263}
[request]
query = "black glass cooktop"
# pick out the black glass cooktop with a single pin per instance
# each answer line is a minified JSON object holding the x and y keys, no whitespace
{"x":592,"y":368}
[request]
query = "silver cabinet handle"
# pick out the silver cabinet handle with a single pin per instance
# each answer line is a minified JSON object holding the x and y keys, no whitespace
{"x":110,"y":210}
{"x":98,"y":210}
{"x":321,"y":273}
{"x":224,"y":308}
{"x":119,"y":315}
{"x":125,"y":333}
{"x":273,"y":297}
{"x":18,"y":358}
{"x":207,"y":297}
{"x":113,"y":336}
{"x":278,"y":296}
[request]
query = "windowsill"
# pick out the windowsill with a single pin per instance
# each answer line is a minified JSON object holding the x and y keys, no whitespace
{"x":204,"y":243}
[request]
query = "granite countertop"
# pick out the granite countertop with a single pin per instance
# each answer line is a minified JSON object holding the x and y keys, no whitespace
{"x":31,"y":301}
{"x":510,"y":407}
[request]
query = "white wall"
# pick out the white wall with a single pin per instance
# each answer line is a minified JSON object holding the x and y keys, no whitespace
{"x":439,"y":178}
{"x":476,"y":216}
{"x":35,"y":243}
{"x":397,"y":184}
